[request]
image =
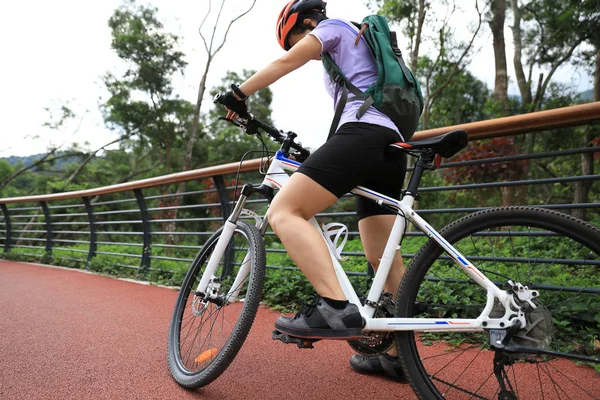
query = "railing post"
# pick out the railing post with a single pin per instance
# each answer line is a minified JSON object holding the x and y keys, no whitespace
{"x":93,"y":236}
{"x":7,"y":227}
{"x":48,"y":219}
{"x":147,"y":251}
{"x":223,"y":198}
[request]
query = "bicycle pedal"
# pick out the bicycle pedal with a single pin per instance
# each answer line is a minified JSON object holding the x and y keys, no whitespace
{"x":287,"y":339}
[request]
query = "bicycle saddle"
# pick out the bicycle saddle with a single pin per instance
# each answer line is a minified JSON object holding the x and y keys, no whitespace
{"x":445,"y":145}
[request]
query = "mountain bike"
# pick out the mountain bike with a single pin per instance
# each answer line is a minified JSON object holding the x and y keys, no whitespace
{"x":523,"y":323}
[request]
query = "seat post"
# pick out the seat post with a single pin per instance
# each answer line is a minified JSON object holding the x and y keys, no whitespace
{"x":415,"y":180}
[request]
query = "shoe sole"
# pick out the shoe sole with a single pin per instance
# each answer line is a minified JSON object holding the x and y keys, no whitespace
{"x":321,"y":334}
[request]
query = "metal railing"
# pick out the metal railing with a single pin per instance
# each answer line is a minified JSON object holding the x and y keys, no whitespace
{"x":146,"y":228}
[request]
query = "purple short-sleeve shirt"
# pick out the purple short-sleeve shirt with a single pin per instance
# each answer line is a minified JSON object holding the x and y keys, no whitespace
{"x":338,"y":38}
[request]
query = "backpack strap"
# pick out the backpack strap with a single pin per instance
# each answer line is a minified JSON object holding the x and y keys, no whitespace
{"x":346,"y":86}
{"x":398,"y":53}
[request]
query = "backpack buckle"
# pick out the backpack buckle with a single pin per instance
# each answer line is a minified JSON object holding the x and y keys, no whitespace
{"x":338,"y":78}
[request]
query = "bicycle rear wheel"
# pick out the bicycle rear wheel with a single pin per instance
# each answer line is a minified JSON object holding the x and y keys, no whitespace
{"x":555,"y":254}
{"x":204,"y":336}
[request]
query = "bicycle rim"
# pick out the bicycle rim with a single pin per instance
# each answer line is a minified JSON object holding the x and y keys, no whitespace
{"x":550,"y":252}
{"x":205,"y":336}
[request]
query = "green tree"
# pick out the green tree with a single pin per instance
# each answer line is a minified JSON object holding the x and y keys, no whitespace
{"x":142,"y":103}
{"x":212,"y":48}
{"x":464,"y":100}
{"x":549,"y":33}
{"x":57,"y":120}
{"x":411,"y":14}
{"x":496,"y":22}
{"x":451,"y":55}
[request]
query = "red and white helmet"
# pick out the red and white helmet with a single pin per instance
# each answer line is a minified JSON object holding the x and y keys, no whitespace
{"x":289,"y":17}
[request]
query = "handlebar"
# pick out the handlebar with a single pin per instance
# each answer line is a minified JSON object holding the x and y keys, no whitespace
{"x":253,"y":126}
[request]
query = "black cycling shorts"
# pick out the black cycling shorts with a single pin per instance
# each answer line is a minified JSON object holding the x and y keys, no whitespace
{"x":356,"y":155}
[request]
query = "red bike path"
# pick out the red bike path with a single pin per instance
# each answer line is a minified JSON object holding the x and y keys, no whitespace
{"x":65,"y":334}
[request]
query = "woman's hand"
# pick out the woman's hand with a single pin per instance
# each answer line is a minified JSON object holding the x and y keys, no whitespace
{"x":235,"y":106}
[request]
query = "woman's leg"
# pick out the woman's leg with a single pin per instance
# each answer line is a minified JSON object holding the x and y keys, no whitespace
{"x":299,"y":200}
{"x":374,"y":234}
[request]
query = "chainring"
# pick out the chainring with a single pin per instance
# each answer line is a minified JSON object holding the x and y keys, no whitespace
{"x":375,"y":343}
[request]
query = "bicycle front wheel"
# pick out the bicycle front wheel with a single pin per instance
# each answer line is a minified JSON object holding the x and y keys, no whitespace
{"x":555,"y":254}
{"x":205,"y":336}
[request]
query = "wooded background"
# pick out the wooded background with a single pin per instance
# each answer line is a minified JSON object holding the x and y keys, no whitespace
{"x":161,"y":133}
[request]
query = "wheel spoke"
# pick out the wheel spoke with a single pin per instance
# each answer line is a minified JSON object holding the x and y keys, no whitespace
{"x":547,"y":372}
{"x":553,"y":254}
{"x":572,"y":381}
{"x":460,"y":353}
{"x":537,"y":367}
{"x":204,"y":334}
{"x":463,"y":371}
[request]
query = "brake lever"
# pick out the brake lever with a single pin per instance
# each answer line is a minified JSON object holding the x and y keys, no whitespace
{"x":249,"y":126}
{"x":233,"y":122}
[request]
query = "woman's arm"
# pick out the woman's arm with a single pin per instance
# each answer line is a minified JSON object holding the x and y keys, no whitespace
{"x":309,"y":48}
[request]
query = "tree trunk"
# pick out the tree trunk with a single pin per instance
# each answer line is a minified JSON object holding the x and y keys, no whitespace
{"x":508,"y":196}
{"x":170,"y":226}
{"x":196,"y":122}
{"x":414,"y":58}
{"x":524,"y":85}
{"x":425,"y":117}
{"x":582,"y":189}
{"x":498,"y":8}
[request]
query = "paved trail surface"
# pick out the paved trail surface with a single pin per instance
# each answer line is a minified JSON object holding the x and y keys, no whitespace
{"x":69,"y":335}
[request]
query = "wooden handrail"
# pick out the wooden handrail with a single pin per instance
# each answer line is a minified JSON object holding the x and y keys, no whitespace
{"x":251,"y":165}
{"x":551,"y":119}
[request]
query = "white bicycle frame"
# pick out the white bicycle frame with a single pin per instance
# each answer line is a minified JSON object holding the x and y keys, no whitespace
{"x":277,"y":177}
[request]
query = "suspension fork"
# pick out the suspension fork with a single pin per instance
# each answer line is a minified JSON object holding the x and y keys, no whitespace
{"x":234,"y":292}
{"x":213,"y":263}
{"x":228,"y":230}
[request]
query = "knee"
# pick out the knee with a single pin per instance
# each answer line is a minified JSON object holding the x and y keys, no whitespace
{"x":278,"y":216}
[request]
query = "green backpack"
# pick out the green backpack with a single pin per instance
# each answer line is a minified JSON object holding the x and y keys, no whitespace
{"x":396,"y":93}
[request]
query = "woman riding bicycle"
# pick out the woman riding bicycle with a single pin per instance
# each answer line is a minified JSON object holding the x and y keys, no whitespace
{"x":353,"y":156}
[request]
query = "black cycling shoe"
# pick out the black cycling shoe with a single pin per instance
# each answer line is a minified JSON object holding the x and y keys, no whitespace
{"x":383,"y":365}
{"x":324,"y":319}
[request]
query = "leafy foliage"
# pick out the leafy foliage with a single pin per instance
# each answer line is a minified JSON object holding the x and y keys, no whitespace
{"x":500,"y":171}
{"x":141,"y":102}
{"x":153,"y":121}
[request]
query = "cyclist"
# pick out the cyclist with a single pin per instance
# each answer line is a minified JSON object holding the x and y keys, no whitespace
{"x":355,"y":155}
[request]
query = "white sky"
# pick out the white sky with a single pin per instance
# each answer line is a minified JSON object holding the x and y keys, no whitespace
{"x":56,"y":51}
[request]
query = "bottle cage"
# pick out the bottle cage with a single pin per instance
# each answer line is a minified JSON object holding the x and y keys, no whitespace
{"x":333,"y":233}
